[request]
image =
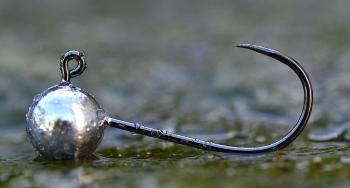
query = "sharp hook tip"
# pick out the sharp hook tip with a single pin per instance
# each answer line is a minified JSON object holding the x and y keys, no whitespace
{"x":248,"y":46}
{"x":259,"y":49}
{"x":241,"y":45}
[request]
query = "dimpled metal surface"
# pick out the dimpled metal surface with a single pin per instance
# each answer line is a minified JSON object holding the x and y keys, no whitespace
{"x":65,"y":122}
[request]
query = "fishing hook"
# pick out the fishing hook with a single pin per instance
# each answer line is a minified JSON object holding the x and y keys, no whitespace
{"x":209,"y":146}
{"x":66,"y":122}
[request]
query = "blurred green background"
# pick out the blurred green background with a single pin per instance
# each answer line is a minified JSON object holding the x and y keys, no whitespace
{"x":171,"y":65}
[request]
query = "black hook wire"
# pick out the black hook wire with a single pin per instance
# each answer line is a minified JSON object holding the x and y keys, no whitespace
{"x":283,"y":142}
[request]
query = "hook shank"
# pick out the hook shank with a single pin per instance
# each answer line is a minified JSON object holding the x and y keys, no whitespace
{"x":283,"y":142}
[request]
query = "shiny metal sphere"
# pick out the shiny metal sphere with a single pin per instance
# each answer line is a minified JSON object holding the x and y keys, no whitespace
{"x":65,"y":122}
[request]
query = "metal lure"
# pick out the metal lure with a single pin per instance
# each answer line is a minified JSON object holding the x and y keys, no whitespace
{"x":66,"y":122}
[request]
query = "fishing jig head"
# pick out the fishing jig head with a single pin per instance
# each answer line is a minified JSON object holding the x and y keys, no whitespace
{"x":66,"y":122}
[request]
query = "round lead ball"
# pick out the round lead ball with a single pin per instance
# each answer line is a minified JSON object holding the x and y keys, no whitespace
{"x":65,"y":122}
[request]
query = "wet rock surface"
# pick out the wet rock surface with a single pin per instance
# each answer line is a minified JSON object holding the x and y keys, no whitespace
{"x":170,"y":65}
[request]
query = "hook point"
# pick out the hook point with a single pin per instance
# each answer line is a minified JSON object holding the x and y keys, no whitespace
{"x":242,"y":45}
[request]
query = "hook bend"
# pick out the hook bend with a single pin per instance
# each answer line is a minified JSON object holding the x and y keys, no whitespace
{"x":283,"y":142}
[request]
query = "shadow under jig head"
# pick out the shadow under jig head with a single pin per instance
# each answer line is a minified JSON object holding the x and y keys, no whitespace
{"x":66,"y":122}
